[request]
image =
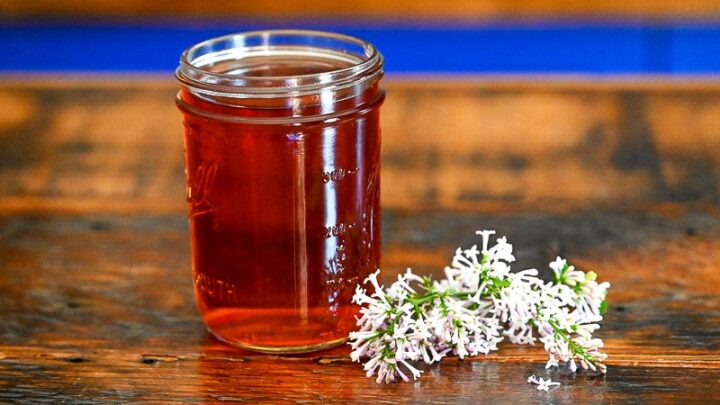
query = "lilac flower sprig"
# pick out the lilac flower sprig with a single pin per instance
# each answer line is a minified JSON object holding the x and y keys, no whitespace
{"x":478,"y":304}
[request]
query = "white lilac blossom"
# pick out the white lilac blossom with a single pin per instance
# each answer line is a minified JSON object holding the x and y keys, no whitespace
{"x":478,"y":304}
{"x":542,"y":384}
{"x":589,"y":296}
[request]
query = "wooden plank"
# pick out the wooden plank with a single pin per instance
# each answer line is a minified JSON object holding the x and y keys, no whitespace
{"x":427,"y":9}
{"x":44,"y":256}
{"x":121,"y":378}
{"x":444,"y":145}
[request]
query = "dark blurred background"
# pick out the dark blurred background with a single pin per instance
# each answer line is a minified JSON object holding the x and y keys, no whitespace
{"x":435,"y":36}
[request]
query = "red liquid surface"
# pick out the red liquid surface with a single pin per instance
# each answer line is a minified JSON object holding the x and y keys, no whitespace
{"x":284,"y":220}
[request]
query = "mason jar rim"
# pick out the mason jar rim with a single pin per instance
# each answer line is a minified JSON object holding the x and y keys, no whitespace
{"x":366,"y":63}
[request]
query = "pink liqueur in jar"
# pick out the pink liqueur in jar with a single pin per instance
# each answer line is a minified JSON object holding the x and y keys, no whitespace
{"x":282,"y":143}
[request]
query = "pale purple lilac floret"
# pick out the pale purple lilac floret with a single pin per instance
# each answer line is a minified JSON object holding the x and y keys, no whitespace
{"x":478,"y":304}
{"x":542,"y":384}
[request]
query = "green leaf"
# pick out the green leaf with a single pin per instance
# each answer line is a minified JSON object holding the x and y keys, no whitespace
{"x":603,"y":307}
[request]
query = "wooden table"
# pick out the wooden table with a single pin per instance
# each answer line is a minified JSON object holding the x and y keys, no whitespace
{"x":623,"y":178}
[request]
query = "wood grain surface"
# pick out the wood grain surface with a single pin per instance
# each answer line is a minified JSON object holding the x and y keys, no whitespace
{"x":96,"y":300}
{"x":446,"y":144}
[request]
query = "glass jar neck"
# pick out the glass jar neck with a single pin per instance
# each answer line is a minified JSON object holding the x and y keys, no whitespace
{"x":283,"y":73}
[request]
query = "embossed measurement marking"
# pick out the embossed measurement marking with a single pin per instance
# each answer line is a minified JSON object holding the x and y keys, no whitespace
{"x":338,"y":174}
{"x":337,"y":230}
{"x":338,"y":262}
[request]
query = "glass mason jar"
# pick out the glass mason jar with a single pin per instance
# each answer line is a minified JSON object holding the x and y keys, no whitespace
{"x":282,"y":151}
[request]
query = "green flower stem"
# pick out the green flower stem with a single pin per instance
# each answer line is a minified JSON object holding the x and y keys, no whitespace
{"x":571,"y":344}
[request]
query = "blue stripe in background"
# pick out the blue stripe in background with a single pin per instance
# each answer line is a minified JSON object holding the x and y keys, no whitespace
{"x":612,"y":48}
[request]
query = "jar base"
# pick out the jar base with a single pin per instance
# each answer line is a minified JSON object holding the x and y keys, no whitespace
{"x":279,"y":349}
{"x":281,"y":330}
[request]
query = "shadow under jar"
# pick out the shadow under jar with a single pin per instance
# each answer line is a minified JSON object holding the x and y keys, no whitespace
{"x":282,"y":151}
